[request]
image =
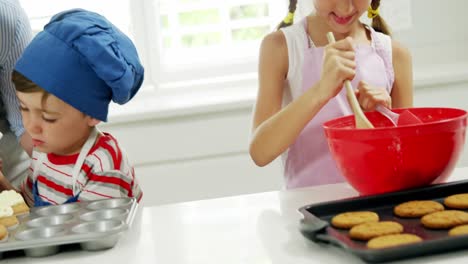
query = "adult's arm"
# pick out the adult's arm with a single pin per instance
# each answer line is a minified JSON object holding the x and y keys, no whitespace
{"x":15,"y":35}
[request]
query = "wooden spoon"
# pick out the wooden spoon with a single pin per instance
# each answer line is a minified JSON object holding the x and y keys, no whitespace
{"x":359,"y":117}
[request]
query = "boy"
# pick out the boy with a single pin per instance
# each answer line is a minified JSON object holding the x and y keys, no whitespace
{"x":65,"y":80}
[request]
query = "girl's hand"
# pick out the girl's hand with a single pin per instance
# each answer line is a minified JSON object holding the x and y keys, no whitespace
{"x":369,"y":97}
{"x":338,"y":66}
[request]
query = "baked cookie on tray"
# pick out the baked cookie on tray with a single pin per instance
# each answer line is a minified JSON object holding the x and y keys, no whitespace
{"x":349,"y":219}
{"x":457,"y":201}
{"x":445,"y":219}
{"x":417,"y":208}
{"x":459,"y":230}
{"x":392,"y":240}
{"x":368,"y":231}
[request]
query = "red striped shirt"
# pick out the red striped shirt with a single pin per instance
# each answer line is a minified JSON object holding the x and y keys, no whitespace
{"x":106,"y":173}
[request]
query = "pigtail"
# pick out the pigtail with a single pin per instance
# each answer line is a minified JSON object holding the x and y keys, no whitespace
{"x":378,"y":23}
{"x":289,"y":19}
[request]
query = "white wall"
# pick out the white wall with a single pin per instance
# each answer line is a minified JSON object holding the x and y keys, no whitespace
{"x":195,"y":157}
{"x":204,"y":154}
{"x":450,"y":95}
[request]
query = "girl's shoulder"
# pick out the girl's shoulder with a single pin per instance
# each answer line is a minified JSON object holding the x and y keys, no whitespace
{"x":274,"y":41}
{"x":274,"y":52}
{"x":400,"y":52}
{"x":296,"y":32}
{"x":283,"y":36}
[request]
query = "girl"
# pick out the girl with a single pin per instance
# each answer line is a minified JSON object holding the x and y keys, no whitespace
{"x":301,"y":78}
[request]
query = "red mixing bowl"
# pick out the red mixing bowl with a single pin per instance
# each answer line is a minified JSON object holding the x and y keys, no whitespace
{"x":388,"y":158}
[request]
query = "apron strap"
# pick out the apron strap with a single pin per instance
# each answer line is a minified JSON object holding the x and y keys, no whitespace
{"x":79,"y":162}
{"x":81,"y":158}
{"x":308,"y":39}
{"x":384,"y":51}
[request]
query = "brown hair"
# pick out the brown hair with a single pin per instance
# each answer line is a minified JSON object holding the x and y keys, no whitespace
{"x":378,"y":23}
{"x":291,"y":9}
{"x":24,"y":85}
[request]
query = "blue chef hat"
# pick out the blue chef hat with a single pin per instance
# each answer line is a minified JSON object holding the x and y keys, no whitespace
{"x":83,"y":59}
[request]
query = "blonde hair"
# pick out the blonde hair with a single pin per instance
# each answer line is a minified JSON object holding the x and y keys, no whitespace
{"x":378,"y":23}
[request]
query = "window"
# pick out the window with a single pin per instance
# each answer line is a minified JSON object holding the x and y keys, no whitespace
{"x":199,"y":35}
{"x":203,"y":39}
{"x":40,"y":12}
{"x":182,"y":40}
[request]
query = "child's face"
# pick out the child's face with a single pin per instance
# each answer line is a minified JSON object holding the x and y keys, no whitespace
{"x":55,"y":126}
{"x":341,"y":15}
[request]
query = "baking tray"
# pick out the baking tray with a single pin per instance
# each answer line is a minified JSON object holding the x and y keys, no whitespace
{"x":94,"y":225}
{"x":316,"y":226}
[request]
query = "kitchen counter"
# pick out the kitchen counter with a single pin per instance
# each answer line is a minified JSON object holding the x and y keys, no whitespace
{"x":256,"y":228}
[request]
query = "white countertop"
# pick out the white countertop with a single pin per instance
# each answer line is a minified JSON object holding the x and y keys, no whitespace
{"x":257,"y":228}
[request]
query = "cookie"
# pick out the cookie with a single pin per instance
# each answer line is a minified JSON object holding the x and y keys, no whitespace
{"x":417,"y":208}
{"x":14,"y":200}
{"x":3,"y":232}
{"x":367,"y":231}
{"x":21,"y":208}
{"x":392,"y":240}
{"x":9,"y":221}
{"x":350,"y":219}
{"x":457,"y":201}
{"x":445,"y":219}
{"x":7,"y":218}
{"x":459,"y":230}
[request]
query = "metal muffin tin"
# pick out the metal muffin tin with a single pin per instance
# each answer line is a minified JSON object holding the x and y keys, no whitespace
{"x":95,"y":225}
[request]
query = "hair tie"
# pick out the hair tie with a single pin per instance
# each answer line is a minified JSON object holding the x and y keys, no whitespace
{"x":289,"y":19}
{"x":372,"y":13}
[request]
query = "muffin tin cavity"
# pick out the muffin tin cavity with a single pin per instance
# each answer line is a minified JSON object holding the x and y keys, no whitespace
{"x":49,"y":220}
{"x":94,"y":225}
{"x":98,"y":227}
{"x":39,"y":233}
{"x":119,"y":214}
{"x":58,"y":209}
{"x":109,"y":204}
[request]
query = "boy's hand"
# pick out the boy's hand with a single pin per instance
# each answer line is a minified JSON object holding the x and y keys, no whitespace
{"x":369,"y":97}
{"x":5,"y":183}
